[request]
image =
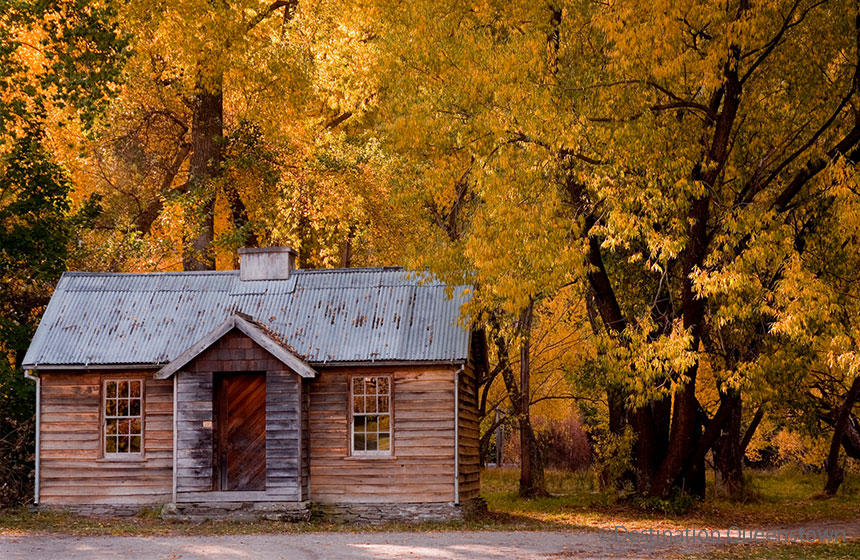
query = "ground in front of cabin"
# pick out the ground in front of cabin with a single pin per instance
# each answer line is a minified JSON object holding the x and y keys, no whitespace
{"x":439,"y":545}
{"x":570,"y":524}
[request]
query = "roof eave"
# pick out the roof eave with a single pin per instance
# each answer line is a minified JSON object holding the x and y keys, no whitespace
{"x":88,"y":367}
{"x":382,"y":363}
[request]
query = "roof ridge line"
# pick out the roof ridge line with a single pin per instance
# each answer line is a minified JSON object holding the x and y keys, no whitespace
{"x":234,"y":272}
{"x":350,"y":269}
{"x":158,"y":273}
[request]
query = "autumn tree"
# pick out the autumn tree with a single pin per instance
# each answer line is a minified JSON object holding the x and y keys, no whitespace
{"x":238,"y":124}
{"x":675,"y":158}
{"x":59,"y":62}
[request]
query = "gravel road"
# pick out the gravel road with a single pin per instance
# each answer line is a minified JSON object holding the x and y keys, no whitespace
{"x":444,"y":545}
{"x":451,"y":545}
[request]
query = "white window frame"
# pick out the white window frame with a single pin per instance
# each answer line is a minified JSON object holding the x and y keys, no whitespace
{"x":351,"y":406}
{"x":105,"y":417}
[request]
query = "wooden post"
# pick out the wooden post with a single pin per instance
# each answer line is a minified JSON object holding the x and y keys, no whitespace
{"x":500,"y":439}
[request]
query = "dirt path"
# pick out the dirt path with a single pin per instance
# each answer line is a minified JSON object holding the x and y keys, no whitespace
{"x":444,"y":545}
{"x":454,"y":545}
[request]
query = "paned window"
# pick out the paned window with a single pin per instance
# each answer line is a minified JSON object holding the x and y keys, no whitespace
{"x":371,"y":415}
{"x":123,"y":416}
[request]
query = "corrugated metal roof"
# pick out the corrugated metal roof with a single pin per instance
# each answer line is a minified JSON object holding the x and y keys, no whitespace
{"x":338,"y":315}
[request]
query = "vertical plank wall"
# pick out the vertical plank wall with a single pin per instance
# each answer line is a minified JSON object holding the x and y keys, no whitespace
{"x":195,"y":435}
{"x":283,"y":432}
{"x":306,"y":455}
{"x":422,"y":468}
{"x":73,"y":471}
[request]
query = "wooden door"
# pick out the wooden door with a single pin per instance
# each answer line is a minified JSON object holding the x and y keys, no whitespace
{"x":241,"y":431}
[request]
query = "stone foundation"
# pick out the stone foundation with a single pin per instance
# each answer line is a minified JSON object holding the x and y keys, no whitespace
{"x":374,"y":514}
{"x":238,"y":511}
{"x":359,"y":514}
{"x":100,"y":510}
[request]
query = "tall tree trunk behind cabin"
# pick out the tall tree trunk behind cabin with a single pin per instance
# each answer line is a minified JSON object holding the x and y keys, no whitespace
{"x":675,"y":470}
{"x":532,"y":482}
{"x":851,"y":440}
{"x":306,"y":239}
{"x":728,"y":452}
{"x":205,"y":166}
{"x":835,"y":472}
{"x":241,"y":222}
{"x":346,"y":249}
{"x":531,"y":465}
{"x":650,"y":423}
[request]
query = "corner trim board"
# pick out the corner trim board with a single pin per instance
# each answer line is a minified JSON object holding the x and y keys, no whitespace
{"x":175,"y":420}
{"x":457,"y":434}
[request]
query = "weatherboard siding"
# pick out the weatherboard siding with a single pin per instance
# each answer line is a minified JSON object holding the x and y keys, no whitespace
{"x":73,"y":470}
{"x":421,"y":468}
{"x":469,"y":436}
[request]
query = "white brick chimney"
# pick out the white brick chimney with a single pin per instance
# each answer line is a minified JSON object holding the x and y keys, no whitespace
{"x":266,"y":263}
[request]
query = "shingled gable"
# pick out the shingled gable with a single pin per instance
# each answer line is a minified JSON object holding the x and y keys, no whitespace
{"x":245,"y":324}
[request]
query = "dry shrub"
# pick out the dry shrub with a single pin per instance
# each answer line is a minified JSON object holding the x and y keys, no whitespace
{"x":563,"y":442}
{"x":17,"y":437}
{"x":16,"y":462}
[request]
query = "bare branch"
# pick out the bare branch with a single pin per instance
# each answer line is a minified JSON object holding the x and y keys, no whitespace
{"x":289,"y":11}
{"x":338,"y":120}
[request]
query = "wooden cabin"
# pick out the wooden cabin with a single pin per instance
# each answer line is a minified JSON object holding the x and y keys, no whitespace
{"x":353,"y":388}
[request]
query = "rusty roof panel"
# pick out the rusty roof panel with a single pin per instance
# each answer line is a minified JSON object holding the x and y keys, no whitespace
{"x":339,"y":315}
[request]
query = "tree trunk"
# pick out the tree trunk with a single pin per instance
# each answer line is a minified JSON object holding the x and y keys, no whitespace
{"x":678,"y":470}
{"x":500,"y":440}
{"x":650,"y":423}
{"x":346,"y":249}
{"x":835,"y":472}
{"x":239,"y":214}
{"x":532,"y":482}
{"x":693,"y":480}
{"x":305,"y":236}
{"x":205,"y":166}
{"x":751,"y":429}
{"x":728,"y":455}
{"x":851,"y":441}
{"x":531,"y":464}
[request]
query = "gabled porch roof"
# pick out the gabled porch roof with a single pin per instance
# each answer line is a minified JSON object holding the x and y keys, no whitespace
{"x":255,"y":332}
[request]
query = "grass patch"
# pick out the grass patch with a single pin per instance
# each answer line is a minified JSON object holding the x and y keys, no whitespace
{"x":849,"y":550}
{"x":781,"y":497}
{"x":25,"y":521}
{"x":784,"y":496}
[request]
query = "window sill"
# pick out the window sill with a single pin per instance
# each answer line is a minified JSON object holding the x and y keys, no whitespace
{"x":371,"y":457}
{"x":136,"y":458}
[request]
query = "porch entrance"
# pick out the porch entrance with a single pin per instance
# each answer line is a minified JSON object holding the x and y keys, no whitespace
{"x":240,"y":431}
